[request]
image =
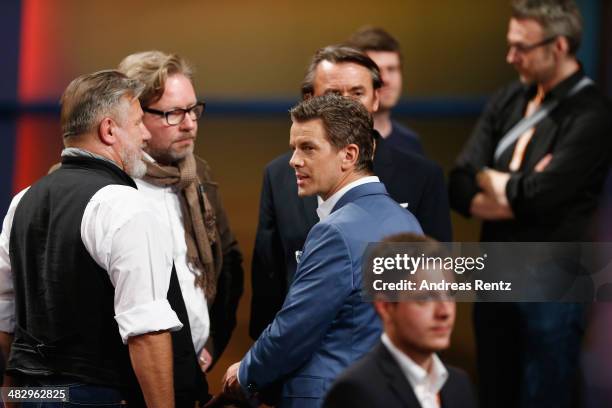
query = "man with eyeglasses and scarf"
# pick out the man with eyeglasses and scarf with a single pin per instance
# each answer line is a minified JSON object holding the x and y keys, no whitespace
{"x":206,"y":255}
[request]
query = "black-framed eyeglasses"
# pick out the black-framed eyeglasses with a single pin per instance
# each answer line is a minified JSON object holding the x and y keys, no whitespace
{"x":525,"y":48}
{"x":176,"y":116}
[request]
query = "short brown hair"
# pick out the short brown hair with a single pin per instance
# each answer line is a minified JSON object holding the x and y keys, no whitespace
{"x":338,"y":54}
{"x":90,"y":97}
{"x":369,"y":38}
{"x":152,"y":68}
{"x":557,"y":18}
{"x":345,"y":121}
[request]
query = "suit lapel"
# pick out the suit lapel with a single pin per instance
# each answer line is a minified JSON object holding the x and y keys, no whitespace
{"x":446,"y":400}
{"x":395,"y":377}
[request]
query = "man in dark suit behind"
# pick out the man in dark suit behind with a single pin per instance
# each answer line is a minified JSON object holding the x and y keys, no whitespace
{"x":403,"y":370}
{"x":285,"y":219}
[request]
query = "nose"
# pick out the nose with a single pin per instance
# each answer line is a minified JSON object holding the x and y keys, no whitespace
{"x":512,"y":55}
{"x":146,"y":135}
{"x":384,"y":77}
{"x":444,"y":309}
{"x":295,"y":160}
{"x":188,"y":123}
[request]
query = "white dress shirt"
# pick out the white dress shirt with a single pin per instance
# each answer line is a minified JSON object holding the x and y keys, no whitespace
{"x":168,"y":207}
{"x":325,"y":207}
{"x":123,"y":234}
{"x":426,"y":385}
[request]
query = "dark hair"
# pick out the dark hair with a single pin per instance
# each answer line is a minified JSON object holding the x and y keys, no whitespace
{"x":370,"y":38}
{"x":90,"y":97}
{"x":338,"y":54}
{"x":346,"y":121}
{"x":557,"y":18}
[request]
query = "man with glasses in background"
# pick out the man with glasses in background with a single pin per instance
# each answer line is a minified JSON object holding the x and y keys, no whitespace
{"x":533,"y":170}
{"x":206,"y":254}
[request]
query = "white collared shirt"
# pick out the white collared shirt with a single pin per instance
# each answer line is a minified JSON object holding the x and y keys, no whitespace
{"x":168,"y":206}
{"x":426,"y":385}
{"x":121,"y":232}
{"x":326,"y":206}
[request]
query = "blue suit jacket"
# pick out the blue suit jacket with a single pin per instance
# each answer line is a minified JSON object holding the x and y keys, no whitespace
{"x":323,"y":325}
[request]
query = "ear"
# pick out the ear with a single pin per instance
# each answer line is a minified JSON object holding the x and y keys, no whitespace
{"x":382,"y":308}
{"x":562,"y":45}
{"x":351,"y":154}
{"x":107,"y":132}
{"x":376,"y":100}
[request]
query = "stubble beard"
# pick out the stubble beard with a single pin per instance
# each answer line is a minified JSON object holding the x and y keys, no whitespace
{"x":169,"y":155}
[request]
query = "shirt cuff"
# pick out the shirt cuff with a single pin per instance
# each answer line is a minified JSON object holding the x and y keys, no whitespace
{"x":7,"y":316}
{"x":147,"y":318}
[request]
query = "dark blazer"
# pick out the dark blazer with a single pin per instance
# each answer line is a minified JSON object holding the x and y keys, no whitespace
{"x":378,"y":381}
{"x":285,"y":220}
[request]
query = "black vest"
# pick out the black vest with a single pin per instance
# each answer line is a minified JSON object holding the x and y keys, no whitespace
{"x":64,"y":301}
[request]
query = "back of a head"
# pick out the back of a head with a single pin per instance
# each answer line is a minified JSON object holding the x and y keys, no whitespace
{"x":557,"y":18}
{"x":153,"y":68}
{"x":90,"y":97}
{"x":345,"y":120}
{"x":338,"y":54}
{"x":369,"y":38}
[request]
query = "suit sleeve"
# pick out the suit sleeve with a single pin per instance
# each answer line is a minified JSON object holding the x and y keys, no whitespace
{"x":322,"y":283}
{"x":477,"y":153}
{"x":434,"y":211}
{"x":230,"y":283}
{"x":579,"y":164}
{"x":268,"y":275}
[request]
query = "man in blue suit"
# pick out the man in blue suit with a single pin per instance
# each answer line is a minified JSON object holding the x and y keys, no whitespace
{"x":323,"y":325}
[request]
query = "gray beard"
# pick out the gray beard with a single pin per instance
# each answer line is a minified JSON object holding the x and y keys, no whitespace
{"x":134,"y":166}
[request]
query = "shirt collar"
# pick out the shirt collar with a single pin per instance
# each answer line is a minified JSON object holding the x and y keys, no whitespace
{"x":78,"y":152}
{"x":325,"y":207}
{"x":434,"y":380}
{"x":560,"y":90}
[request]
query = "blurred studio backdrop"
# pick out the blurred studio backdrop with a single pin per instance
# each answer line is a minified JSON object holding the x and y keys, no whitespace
{"x":250,"y":58}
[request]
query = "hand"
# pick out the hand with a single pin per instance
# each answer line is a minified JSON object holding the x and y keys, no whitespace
{"x":205,"y":360}
{"x":485,"y":207}
{"x":231,"y":386}
{"x":493,"y":183}
{"x":543,"y":163}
